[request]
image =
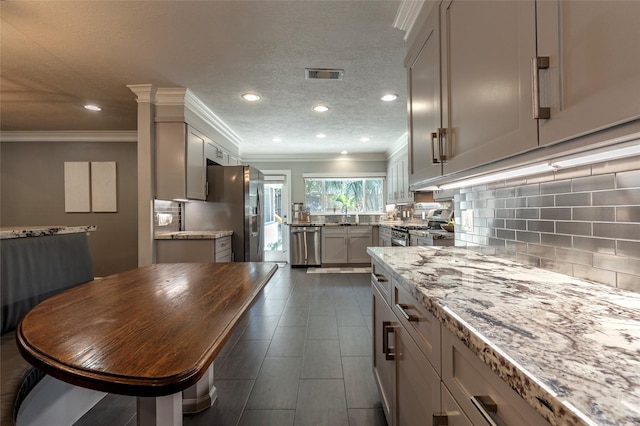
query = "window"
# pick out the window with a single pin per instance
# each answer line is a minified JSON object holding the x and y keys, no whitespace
{"x":335,"y":195}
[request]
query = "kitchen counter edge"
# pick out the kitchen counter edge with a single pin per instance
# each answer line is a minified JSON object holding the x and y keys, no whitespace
{"x":192,"y":235}
{"x":41,"y":231}
{"x":556,"y":401}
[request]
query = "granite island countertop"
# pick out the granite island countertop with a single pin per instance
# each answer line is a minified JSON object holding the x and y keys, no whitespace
{"x":191,"y":235}
{"x":569,"y":347}
{"x":41,"y":231}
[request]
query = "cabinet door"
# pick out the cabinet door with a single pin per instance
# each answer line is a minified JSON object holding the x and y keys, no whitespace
{"x":383,"y":344}
{"x":417,"y":384}
{"x":593,"y":79}
{"x":359,"y":240}
{"x":403,"y":178}
{"x":486,"y":78}
{"x":391,"y":182}
{"x":334,"y":246}
{"x":196,"y":167}
{"x":424,"y":104}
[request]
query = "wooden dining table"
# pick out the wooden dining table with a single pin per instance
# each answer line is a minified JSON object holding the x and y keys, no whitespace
{"x":151,"y":332}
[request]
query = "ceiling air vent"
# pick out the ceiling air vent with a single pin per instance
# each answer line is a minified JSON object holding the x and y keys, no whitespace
{"x":323,"y":74}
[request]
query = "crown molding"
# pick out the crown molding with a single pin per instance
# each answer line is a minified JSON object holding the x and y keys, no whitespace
{"x":205,"y":113}
{"x":399,"y":144}
{"x":144,"y":92}
{"x":297,"y":158}
{"x":406,"y":16}
{"x":180,"y":96}
{"x":69,"y":136}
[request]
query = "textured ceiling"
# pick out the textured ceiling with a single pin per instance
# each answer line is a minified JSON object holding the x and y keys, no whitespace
{"x":58,"y":55}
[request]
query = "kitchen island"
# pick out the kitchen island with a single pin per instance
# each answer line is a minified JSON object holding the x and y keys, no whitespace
{"x":568,"y":347}
{"x":193,"y":246}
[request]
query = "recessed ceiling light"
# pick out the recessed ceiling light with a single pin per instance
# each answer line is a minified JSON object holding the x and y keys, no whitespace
{"x":344,"y":153}
{"x":321,"y":108}
{"x":365,"y":139}
{"x":93,"y":107}
{"x":321,"y":135}
{"x":276,"y":140}
{"x":389,"y":97}
{"x":251,"y":97}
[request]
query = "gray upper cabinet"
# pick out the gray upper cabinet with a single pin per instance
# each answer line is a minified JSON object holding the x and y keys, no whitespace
{"x":470,"y":86}
{"x":424,"y":103}
{"x":593,"y":79}
{"x":487,"y":49}
{"x":180,"y":162}
{"x":479,"y":90}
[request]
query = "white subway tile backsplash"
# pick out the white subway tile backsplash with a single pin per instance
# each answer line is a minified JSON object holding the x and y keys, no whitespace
{"x":627,"y":214}
{"x":601,"y":214}
{"x":628,"y":248}
{"x":617,"y":197}
{"x":594,"y":245}
{"x":556,"y":187}
{"x":593,"y":274}
{"x":628,"y":179}
{"x":578,"y":199}
{"x":593,"y":183}
{"x":626,"y":231}
{"x":585,"y":222}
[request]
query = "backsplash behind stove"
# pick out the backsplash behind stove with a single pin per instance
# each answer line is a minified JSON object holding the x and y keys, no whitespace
{"x":583,"y":222}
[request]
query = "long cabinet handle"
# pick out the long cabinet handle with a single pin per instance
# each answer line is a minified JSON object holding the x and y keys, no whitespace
{"x":386,"y":329}
{"x":434,"y":139}
{"x":538,"y":63}
{"x":486,"y":406}
{"x":442,"y":145}
{"x":403,"y":309}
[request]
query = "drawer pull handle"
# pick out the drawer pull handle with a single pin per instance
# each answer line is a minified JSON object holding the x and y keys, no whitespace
{"x":486,"y":406}
{"x":380,"y":278}
{"x":403,"y":309}
{"x":386,"y":329}
{"x":440,"y":419}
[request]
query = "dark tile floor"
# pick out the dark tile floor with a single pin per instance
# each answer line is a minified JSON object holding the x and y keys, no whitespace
{"x":301,"y":356}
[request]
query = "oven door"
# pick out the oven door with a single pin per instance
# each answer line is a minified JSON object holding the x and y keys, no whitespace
{"x":399,"y":240}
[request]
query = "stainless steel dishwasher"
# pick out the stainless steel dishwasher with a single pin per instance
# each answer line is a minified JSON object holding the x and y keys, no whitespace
{"x":306,"y":246}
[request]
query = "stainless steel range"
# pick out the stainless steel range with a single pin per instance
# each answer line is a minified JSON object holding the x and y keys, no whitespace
{"x":400,"y":233}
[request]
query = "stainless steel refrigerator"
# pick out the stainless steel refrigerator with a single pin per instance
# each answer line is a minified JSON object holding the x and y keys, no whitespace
{"x":235,"y":202}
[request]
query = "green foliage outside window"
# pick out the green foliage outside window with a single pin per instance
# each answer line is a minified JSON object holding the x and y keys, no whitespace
{"x":362,"y":195}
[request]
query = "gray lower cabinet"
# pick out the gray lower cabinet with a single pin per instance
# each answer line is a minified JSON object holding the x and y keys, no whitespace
{"x":188,"y":251}
{"x":428,"y":376}
{"x":385,"y":236}
{"x":408,"y":384}
{"x":346,"y":244}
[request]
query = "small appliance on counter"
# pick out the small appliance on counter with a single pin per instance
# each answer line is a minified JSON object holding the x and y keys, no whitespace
{"x":300,"y":213}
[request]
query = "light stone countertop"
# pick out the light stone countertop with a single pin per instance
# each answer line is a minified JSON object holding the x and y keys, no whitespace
{"x":569,"y":347}
{"x":192,"y":235}
{"x":41,"y":231}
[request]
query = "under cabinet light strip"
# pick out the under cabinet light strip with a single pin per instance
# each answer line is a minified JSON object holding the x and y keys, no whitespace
{"x":612,"y":154}
{"x":508,"y":174}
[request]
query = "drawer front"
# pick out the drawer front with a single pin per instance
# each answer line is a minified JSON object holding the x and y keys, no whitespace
{"x":223,"y":244}
{"x":381,"y":279}
{"x":468,"y":378}
{"x":223,"y":256}
{"x":423,"y":327}
{"x":451,"y":410}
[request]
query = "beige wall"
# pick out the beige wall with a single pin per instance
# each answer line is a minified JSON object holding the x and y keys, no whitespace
{"x":32,"y":193}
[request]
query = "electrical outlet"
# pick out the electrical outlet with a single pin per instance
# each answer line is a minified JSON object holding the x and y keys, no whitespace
{"x":467,"y":220}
